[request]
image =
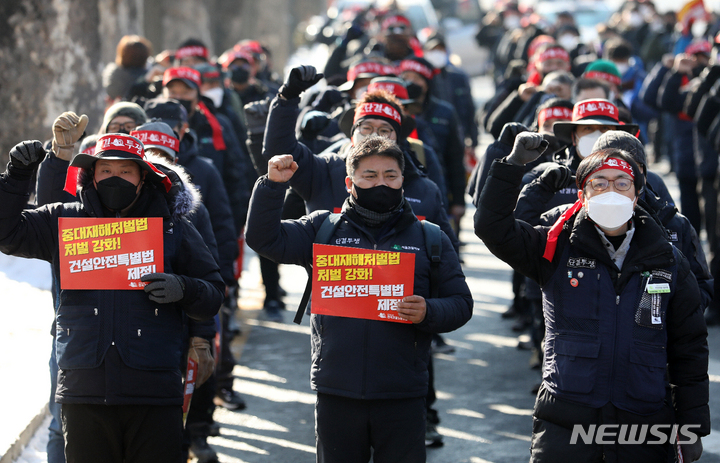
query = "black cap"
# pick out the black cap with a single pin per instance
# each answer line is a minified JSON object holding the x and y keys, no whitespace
{"x":433,"y":40}
{"x":167,"y":110}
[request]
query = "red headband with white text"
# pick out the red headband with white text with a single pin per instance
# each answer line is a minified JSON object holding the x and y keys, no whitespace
{"x":611,"y":163}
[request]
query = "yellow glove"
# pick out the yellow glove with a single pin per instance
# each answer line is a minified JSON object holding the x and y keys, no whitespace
{"x":67,"y":129}
{"x":201,"y":352}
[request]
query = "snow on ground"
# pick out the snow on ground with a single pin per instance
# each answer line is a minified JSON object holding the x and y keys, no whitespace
{"x":26,"y":316}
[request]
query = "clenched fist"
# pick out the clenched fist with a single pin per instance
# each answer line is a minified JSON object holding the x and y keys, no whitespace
{"x":281,"y":168}
{"x":67,"y":129}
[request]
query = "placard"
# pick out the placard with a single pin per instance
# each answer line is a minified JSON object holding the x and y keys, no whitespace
{"x":109,"y":253}
{"x":361,"y":283}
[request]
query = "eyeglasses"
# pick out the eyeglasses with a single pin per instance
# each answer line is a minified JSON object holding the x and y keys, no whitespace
{"x":601,"y":184}
{"x":366,"y":129}
{"x":116,"y":126}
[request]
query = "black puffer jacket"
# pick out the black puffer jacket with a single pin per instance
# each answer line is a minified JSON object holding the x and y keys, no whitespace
{"x":681,"y":323}
{"x":114,"y":347}
{"x":364,"y":359}
{"x":233,"y":162}
{"x":205,"y":176}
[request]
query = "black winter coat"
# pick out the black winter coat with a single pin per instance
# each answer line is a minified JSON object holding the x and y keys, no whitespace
{"x":450,"y":146}
{"x":205,"y":176}
{"x":683,"y":324}
{"x":357,"y":358}
{"x":114,"y":347}
{"x":233,"y":163}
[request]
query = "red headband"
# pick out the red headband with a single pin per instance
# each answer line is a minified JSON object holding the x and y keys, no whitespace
{"x":149,"y":137}
{"x":412,"y":65}
{"x":591,"y":108}
{"x":253,"y":46}
{"x":215,"y":74}
{"x":553,"y":53}
{"x":195,"y":50}
{"x":119,"y":142}
{"x":555,"y":112}
{"x":378,"y":110}
{"x":611,"y":163}
{"x":700,"y":46}
{"x":370,"y":67}
{"x":227,"y":58}
{"x":396,"y":19}
{"x":182,"y":73}
{"x":392,"y":87}
{"x":612,"y":78}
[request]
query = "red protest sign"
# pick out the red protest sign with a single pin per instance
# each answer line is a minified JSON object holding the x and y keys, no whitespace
{"x":360,"y":283}
{"x":109,"y":253}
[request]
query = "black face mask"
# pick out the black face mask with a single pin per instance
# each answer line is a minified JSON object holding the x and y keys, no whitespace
{"x":116,"y":193}
{"x":188,"y":105}
{"x":239,"y":74}
{"x":380,"y":199}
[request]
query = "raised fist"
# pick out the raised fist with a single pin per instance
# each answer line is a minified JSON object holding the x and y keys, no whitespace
{"x":300,"y":79}
{"x":27,"y":154}
{"x":528,"y":147}
{"x":67,"y":129}
{"x":557,"y":177}
{"x":281,"y":168}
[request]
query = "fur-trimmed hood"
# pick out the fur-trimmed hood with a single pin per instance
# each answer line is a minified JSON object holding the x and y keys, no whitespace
{"x":182,"y":199}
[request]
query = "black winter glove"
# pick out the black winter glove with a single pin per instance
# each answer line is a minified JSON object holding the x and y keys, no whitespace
{"x":355,"y":31}
{"x":300,"y":79}
{"x":528,"y":147}
{"x":557,"y":177}
{"x":329,"y":98}
{"x":165,"y":287}
{"x":510,"y":131}
{"x":27,"y":154}
{"x":313,"y":123}
{"x":692,"y":452}
{"x":256,"y":114}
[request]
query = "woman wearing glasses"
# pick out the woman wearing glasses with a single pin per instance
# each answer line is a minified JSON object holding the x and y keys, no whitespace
{"x":625,"y":355}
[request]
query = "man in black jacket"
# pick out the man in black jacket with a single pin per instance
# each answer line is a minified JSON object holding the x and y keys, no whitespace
{"x":320,"y":180}
{"x":118,"y":351}
{"x":371,"y":375}
{"x":622,"y":311}
{"x":216,"y":139}
{"x":207,"y":179}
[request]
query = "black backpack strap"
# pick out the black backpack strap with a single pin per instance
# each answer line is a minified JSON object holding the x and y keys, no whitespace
{"x":433,"y":247}
{"x":327,"y":229}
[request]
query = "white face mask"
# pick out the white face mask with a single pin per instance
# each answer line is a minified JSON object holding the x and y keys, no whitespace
{"x":699,"y":28}
{"x":610,"y":210}
{"x":585,"y":144}
{"x":216,"y":95}
{"x":511,"y":22}
{"x":569,"y":41}
{"x":636,"y":20}
{"x":622,"y":67}
{"x":437,"y":58}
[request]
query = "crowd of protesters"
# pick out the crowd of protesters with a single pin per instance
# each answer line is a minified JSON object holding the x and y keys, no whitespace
{"x":645,"y":88}
{"x":385,"y":137}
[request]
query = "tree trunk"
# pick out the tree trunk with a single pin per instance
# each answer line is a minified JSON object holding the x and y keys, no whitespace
{"x":52,"y":52}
